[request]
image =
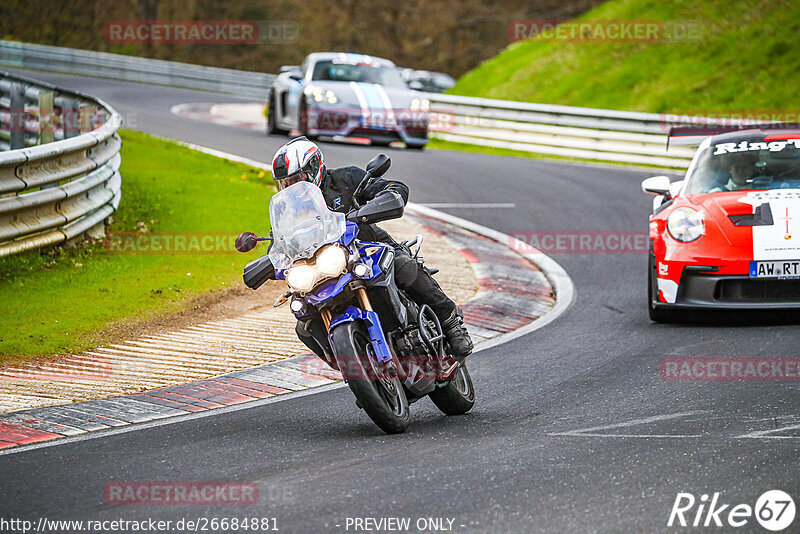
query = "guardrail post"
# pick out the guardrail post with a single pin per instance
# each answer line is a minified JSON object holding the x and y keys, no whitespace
{"x":47,"y":117}
{"x":85,"y":120}
{"x":47,"y":132}
{"x":69,"y":118}
{"x":17,"y":110}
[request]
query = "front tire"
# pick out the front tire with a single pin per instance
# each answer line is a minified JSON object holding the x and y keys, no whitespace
{"x":379,"y":391}
{"x":657,"y":315}
{"x":458,"y":396}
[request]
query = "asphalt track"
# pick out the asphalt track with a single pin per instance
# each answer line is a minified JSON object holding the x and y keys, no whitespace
{"x":574,"y":428}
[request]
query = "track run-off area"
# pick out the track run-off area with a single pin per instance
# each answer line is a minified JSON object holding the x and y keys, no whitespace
{"x":574,"y":428}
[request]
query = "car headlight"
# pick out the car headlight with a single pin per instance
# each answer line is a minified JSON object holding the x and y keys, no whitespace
{"x":685,"y":225}
{"x":301,"y":278}
{"x":317,"y":94}
{"x":331,"y":260}
{"x":421,"y":104}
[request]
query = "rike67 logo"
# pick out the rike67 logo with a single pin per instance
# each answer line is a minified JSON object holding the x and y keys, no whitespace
{"x":774,"y":510}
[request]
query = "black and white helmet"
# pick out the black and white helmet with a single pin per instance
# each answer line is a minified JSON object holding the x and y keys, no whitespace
{"x":299,"y":160}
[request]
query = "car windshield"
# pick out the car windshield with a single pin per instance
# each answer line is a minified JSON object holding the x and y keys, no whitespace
{"x":361,"y":72}
{"x":301,"y":224}
{"x":771,"y":163}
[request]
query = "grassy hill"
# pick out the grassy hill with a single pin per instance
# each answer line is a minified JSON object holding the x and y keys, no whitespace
{"x":746,"y":59}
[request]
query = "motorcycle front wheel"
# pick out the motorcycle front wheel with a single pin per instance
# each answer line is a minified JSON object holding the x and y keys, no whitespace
{"x":458,"y":396}
{"x":377,"y":388}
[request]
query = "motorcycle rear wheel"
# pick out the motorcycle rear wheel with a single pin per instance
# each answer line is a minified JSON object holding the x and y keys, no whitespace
{"x":379,"y":391}
{"x":458,"y":396}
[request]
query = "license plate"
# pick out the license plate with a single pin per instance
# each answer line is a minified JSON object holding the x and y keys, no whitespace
{"x":775,"y":269}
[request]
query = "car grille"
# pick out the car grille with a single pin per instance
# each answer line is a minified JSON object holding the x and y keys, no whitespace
{"x":743,"y":290}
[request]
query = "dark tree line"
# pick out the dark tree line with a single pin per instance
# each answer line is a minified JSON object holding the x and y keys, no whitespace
{"x":450,"y":36}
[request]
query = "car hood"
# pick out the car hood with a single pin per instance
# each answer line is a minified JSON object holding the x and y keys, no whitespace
{"x":773,"y":231}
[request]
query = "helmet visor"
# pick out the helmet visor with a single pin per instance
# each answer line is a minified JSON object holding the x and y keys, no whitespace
{"x":300,"y":176}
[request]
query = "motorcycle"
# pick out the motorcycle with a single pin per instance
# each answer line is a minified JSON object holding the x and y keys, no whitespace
{"x":390,"y":350}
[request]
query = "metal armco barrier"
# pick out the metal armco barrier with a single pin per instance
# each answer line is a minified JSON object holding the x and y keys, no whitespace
{"x":66,"y":187}
{"x":565,"y":131}
{"x":586,"y":133}
{"x":153,"y":71}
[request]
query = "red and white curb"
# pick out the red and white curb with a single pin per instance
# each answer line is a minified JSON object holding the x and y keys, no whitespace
{"x":517,"y":294}
{"x":207,"y":113}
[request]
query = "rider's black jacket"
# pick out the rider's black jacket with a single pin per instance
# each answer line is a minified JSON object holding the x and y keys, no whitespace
{"x":338,"y":187}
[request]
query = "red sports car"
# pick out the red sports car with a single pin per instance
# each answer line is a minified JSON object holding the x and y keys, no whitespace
{"x":728,"y":235}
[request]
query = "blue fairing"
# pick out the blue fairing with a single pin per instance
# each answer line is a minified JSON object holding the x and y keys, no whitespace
{"x":350,"y":232}
{"x":373,"y":326}
{"x":328,"y":290}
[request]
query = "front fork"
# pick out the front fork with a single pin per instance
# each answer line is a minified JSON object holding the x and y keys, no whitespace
{"x":363,"y":301}
{"x":367,"y":315}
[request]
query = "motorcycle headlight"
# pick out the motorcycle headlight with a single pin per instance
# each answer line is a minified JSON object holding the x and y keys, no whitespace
{"x":331,"y":260}
{"x":685,"y":225}
{"x":301,"y":278}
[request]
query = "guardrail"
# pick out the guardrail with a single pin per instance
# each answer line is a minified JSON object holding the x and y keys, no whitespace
{"x":59,"y":171}
{"x":119,"y":67}
{"x":575,"y":132}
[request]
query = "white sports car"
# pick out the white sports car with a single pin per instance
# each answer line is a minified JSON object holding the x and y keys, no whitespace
{"x":348,"y":96}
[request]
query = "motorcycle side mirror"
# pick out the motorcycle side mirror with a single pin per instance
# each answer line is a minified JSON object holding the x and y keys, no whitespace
{"x":246,"y":242}
{"x":379,"y":165}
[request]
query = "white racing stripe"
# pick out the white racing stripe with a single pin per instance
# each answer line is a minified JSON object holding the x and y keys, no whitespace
{"x":362,"y":99}
{"x":387,"y":104}
{"x":781,"y":240}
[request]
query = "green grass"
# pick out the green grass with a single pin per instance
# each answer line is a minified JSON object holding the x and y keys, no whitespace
{"x":61,"y":300}
{"x":745,"y":60}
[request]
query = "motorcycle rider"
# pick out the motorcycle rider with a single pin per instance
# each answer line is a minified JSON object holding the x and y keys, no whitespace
{"x":301,"y":160}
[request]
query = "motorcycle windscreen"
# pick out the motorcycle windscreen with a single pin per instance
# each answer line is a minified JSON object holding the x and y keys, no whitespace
{"x":301,"y":224}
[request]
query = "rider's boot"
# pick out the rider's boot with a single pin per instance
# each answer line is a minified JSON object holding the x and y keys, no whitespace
{"x":457,"y":336}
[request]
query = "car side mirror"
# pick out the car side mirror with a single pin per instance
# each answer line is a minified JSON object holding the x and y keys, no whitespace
{"x":415,"y":85}
{"x":379,"y":165}
{"x":656,"y":185}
